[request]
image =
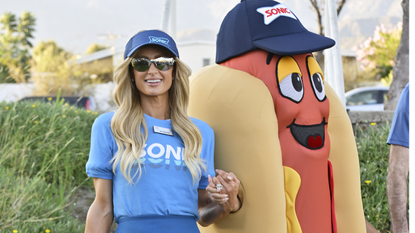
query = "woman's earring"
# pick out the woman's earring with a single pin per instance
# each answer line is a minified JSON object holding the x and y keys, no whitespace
{"x":172,"y":78}
{"x":132,"y":80}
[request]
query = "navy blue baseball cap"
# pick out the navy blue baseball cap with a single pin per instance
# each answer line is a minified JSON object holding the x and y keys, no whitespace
{"x":266,"y":25}
{"x":156,"y":37}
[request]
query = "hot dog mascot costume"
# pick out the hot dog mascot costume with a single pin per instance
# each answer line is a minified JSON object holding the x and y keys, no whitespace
{"x":278,"y":126}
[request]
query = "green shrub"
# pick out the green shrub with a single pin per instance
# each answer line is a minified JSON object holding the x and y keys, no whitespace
{"x":43,"y":151}
{"x":29,"y":204}
{"x":373,"y":156}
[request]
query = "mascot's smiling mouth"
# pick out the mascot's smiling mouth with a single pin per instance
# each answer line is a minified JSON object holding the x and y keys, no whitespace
{"x":309,"y":136}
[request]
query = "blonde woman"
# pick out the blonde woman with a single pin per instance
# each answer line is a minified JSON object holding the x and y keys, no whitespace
{"x":150,"y":162}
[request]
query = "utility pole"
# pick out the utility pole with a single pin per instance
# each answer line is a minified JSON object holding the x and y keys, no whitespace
{"x":168,"y":22}
{"x":333,"y":69}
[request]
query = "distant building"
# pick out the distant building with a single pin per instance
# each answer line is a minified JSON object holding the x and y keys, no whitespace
{"x":197,"y":48}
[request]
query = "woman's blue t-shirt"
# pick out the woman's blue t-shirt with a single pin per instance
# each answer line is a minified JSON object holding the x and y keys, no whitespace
{"x":165,"y":186}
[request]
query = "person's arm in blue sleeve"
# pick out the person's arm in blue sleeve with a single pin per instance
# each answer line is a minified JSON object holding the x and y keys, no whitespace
{"x":100,"y":214}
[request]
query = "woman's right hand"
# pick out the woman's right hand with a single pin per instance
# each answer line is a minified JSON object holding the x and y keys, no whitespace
{"x":227,"y":196}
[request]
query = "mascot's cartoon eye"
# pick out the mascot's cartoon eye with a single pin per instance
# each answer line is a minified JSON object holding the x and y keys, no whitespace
{"x":318,"y":86}
{"x":292,"y":87}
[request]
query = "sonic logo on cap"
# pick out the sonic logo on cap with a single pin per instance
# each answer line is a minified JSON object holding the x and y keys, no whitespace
{"x":273,"y":12}
{"x":162,"y":40}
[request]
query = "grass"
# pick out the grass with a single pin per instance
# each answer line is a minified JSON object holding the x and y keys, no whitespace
{"x":373,"y":156}
{"x":43,"y":151}
{"x":44,"y":148}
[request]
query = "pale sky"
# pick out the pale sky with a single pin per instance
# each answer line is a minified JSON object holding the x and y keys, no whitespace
{"x":76,"y":24}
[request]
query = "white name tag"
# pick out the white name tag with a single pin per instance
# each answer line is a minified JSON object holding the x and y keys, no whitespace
{"x":161,"y":130}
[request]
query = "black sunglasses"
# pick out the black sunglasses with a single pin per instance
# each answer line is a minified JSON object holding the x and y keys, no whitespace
{"x":143,"y":64}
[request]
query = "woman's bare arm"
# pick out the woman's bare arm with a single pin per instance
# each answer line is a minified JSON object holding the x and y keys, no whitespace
{"x":100,"y":214}
{"x":215,"y":205}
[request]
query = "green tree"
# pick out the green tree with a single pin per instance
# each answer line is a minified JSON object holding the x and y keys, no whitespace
{"x":95,"y":48}
{"x":15,"y":43}
{"x":51,"y":69}
{"x":377,"y":53}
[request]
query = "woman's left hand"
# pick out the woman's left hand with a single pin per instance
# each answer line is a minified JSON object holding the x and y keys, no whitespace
{"x":227,"y":196}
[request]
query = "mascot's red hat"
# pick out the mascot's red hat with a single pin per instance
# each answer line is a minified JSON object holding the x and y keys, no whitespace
{"x":266,"y":25}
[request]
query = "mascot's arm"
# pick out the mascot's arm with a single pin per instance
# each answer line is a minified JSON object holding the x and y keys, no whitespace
{"x":240,"y":110}
{"x":346,"y":172}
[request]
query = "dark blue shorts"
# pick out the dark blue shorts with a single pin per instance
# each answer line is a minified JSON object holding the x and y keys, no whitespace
{"x":158,"y":224}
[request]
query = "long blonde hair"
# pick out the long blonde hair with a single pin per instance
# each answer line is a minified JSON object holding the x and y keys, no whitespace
{"x":129,"y":119}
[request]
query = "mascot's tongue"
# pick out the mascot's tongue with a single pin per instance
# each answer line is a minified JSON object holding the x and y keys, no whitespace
{"x":314,"y":141}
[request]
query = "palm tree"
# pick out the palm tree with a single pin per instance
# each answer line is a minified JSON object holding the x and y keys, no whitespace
{"x":14,"y":46}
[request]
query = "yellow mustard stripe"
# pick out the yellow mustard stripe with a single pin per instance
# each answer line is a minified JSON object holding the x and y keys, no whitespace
{"x":313,"y":67}
{"x":292,"y":182}
{"x":287,"y":65}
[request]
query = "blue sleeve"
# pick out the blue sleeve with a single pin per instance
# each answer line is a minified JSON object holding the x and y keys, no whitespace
{"x":101,"y":151}
{"x":399,"y":132}
{"x":208,"y":150}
